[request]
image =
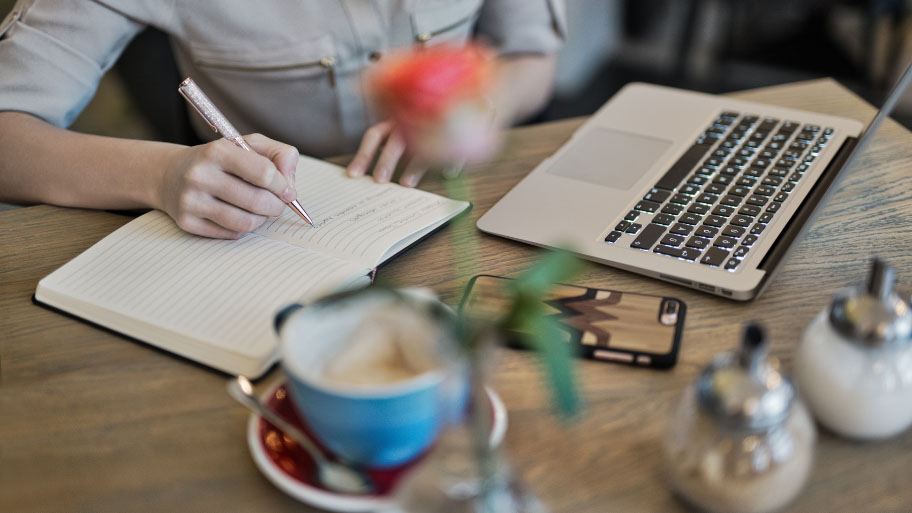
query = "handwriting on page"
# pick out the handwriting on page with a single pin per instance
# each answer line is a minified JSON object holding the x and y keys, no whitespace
{"x":224,"y":292}
{"x":356,"y":218}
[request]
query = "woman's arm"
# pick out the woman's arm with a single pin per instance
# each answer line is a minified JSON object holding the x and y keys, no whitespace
{"x":215,"y":189}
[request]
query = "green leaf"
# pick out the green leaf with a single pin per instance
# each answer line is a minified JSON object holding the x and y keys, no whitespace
{"x":537,"y":330}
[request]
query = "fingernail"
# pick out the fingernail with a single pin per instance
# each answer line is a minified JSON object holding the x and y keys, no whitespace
{"x":381,"y":175}
{"x":355,"y":170}
{"x":410,"y":181}
{"x":288,"y":194}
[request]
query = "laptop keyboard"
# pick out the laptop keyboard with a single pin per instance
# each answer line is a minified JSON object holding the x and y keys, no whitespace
{"x":714,"y":203}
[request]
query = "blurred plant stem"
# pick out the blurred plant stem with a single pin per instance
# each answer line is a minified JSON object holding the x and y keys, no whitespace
{"x":527,"y":320}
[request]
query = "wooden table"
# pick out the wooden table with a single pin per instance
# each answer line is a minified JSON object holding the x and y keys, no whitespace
{"x":92,"y":422}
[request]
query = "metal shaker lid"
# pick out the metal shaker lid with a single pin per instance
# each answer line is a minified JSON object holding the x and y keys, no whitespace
{"x":742,"y":389}
{"x":874,"y":315}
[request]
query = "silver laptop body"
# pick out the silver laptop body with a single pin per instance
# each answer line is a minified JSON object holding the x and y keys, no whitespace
{"x":699,"y":190}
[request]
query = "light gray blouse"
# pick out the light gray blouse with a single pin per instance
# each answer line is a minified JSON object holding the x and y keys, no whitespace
{"x":290,"y":69}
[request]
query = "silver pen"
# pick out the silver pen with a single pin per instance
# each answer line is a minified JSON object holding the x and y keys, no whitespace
{"x":220,"y":125}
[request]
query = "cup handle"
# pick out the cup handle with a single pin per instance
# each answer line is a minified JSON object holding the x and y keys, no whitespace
{"x":284,"y":314}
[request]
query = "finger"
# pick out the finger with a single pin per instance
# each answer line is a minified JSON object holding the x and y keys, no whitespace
{"x":386,"y":163}
{"x":237,"y":192}
{"x":413,"y":173}
{"x":370,"y":143}
{"x":206,"y":228}
{"x":284,"y":156}
{"x":251,"y":167}
{"x":228,"y":216}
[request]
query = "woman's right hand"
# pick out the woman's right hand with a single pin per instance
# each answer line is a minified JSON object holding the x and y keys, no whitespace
{"x":220,"y":190}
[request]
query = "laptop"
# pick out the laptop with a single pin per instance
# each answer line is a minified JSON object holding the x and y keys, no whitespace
{"x":695,"y":189}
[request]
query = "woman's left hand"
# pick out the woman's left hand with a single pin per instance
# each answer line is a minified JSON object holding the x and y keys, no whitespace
{"x":385,"y":143}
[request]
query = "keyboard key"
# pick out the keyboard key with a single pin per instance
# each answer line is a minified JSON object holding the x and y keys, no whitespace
{"x":714,"y":221}
{"x":680,"y":199}
{"x":749,"y":240}
{"x":739,"y":190}
{"x":689,"y":190}
{"x":778,"y":172}
{"x":671,"y":239}
{"x":740,"y":252}
{"x":725,"y":242}
{"x":708,"y":199}
{"x":745,"y":181}
{"x":672,"y":209}
{"x":681,"y":229}
{"x":773,"y":208}
{"x":764,"y":190}
{"x":647,"y":206}
{"x":713,"y":162}
{"x":706,"y":231}
{"x":622,"y":226}
{"x":633,"y":228}
{"x":613,"y":236}
{"x":698,"y":208}
{"x":665,"y":219}
{"x":785,"y":163}
{"x":788,"y":187}
{"x":723,"y":210}
{"x":753,"y":172}
{"x":749,"y":210}
{"x":657,"y":195}
{"x":757,"y":200}
{"x":740,"y":220}
{"x":733,"y":231}
{"x":794,"y":177}
{"x":648,"y":237}
{"x":758,"y":229}
{"x":714,"y":188}
{"x":685,"y":253}
{"x":781,"y":197}
{"x":697,"y":180}
{"x":690,"y":218}
{"x":714,"y":257}
{"x":765,"y":218}
{"x":761,"y":163}
{"x":772,"y":181}
{"x":722,"y":179}
{"x":730,"y":200}
{"x":632,"y":216}
{"x":732,"y":264}
{"x":697,"y":242}
{"x":682,"y":167}
{"x":730,"y":171}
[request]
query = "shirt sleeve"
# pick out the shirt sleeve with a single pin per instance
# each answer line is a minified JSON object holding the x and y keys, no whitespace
{"x":523,"y":26}
{"x":54,"y":52}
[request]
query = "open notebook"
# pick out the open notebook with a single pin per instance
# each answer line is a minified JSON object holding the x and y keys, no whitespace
{"x":212,"y":300}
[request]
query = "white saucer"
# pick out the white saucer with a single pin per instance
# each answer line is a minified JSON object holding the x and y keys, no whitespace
{"x":294,"y":485}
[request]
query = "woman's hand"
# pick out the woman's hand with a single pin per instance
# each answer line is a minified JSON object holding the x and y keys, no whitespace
{"x":390,"y":144}
{"x":220,"y":190}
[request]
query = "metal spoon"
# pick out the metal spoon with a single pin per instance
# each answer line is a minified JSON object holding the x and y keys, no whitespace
{"x":335,"y":476}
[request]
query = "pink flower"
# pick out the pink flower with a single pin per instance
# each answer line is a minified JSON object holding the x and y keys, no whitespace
{"x":437,"y":97}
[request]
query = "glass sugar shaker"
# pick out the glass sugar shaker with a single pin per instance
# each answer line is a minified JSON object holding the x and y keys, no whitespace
{"x":740,"y":439}
{"x":854,"y":364}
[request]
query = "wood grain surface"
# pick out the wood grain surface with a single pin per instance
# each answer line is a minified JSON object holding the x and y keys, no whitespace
{"x":90,"y":421}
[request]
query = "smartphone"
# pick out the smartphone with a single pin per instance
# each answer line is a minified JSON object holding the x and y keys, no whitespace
{"x":600,"y":324}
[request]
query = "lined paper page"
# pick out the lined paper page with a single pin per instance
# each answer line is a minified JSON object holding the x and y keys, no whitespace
{"x":356,"y":218}
{"x":221,"y":293}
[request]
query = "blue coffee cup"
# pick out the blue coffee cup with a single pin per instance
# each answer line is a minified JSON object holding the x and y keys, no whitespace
{"x":375,"y":425}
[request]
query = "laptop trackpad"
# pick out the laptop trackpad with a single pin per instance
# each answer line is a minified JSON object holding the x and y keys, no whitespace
{"x":609,"y":157}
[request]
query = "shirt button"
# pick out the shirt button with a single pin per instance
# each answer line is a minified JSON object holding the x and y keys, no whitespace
{"x":375,"y":56}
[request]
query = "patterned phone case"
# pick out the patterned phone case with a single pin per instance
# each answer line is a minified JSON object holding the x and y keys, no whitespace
{"x":624,"y":327}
